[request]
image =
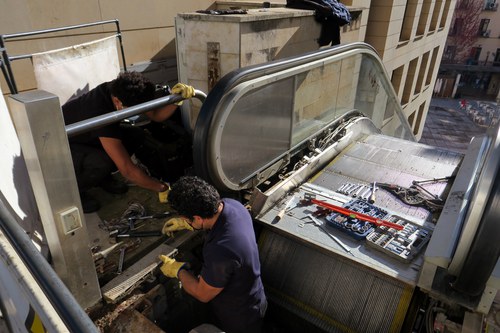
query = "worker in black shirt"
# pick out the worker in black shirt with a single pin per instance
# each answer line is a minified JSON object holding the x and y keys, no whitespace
{"x":99,"y":152}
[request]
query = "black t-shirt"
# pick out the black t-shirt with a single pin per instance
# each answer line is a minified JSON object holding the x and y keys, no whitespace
{"x":231,"y":261}
{"x":92,"y":104}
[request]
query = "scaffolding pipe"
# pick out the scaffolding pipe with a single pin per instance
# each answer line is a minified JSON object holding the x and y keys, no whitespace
{"x":116,"y":116}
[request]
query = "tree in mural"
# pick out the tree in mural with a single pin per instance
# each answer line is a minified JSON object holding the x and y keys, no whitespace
{"x":464,"y":30}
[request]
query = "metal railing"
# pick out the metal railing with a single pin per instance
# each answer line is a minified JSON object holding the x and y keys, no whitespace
{"x":116,"y":116}
{"x":62,"y":301}
{"x":5,"y":59}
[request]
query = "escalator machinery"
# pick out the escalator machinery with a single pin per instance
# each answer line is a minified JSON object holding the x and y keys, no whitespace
{"x":274,"y":136}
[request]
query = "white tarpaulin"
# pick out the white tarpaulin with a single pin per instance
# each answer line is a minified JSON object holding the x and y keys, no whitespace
{"x":15,"y":185}
{"x":74,"y":70}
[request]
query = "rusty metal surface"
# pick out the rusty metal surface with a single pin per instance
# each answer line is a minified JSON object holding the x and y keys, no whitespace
{"x":133,"y":321}
{"x":213,"y":64}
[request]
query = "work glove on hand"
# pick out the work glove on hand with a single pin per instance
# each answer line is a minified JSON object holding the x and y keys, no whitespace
{"x":170,"y":267}
{"x":163,"y":196}
{"x":184,"y":90}
{"x":175,"y":224}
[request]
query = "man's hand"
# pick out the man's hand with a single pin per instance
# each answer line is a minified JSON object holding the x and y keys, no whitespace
{"x":175,"y":224}
{"x":170,"y":267}
{"x":184,"y":90}
{"x":163,"y":196}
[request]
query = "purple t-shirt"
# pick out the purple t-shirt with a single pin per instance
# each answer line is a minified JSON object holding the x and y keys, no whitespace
{"x":231,"y":261}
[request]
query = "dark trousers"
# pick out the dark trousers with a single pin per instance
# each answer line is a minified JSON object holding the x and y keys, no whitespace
{"x":92,"y":165}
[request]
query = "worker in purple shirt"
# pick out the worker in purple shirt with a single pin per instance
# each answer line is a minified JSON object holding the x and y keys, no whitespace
{"x":230,"y":275}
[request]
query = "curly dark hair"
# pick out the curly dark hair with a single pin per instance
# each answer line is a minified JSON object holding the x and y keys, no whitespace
{"x":132,"y":88}
{"x":191,"y":196}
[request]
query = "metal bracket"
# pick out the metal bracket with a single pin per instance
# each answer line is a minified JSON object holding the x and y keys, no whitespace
{"x":213,"y":63}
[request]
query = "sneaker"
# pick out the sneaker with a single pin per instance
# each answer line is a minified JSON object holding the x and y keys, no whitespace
{"x":89,"y":203}
{"x":111,"y":185}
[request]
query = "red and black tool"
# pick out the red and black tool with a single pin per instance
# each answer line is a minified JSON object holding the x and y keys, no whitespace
{"x":359,"y":216}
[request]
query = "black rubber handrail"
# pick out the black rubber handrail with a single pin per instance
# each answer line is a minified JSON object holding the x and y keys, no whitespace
{"x":70,"y":312}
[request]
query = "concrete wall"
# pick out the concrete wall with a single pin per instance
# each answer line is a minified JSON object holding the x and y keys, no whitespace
{"x":408,"y":34}
{"x":211,"y":46}
{"x":147,"y":27}
{"x":489,"y":42}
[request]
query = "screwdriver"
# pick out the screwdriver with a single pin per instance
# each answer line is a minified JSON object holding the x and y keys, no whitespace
{"x":284,"y":210}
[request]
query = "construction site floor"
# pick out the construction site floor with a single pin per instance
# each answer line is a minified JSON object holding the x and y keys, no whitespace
{"x":113,"y":214}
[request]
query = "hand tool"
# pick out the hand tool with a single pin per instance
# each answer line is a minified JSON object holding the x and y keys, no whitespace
{"x":139,"y":234}
{"x":342,"y":187}
{"x":413,"y":196}
{"x":366,"y":193}
{"x":289,"y":205}
{"x":121,"y":260}
{"x":418,"y":186}
{"x":345,"y":188}
{"x":154,"y":216}
{"x":359,"y":189}
{"x":106,"y":252}
{"x":319,"y":224}
{"x":360,"y":216}
{"x":133,"y":219}
{"x":352,"y":189}
{"x":372,"y":196}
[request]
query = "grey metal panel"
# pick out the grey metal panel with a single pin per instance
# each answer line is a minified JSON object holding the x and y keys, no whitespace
{"x":329,"y":291}
{"x":481,"y":193}
{"x":257,"y":131}
{"x":254,"y":126}
{"x":370,"y":279}
{"x":360,"y":163}
{"x":292,"y":224}
{"x":390,"y":160}
{"x":40,"y":127}
{"x":443,"y":244}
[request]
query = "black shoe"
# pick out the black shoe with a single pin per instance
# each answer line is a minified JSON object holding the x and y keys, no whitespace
{"x":114,"y":186}
{"x":89,"y":204}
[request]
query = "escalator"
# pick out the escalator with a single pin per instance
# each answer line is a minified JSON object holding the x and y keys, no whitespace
{"x":359,"y":226}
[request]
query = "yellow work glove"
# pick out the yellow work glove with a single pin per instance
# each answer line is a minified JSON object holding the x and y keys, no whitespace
{"x":170,"y":267}
{"x":184,"y":90}
{"x":175,"y":224}
{"x":163,"y":196}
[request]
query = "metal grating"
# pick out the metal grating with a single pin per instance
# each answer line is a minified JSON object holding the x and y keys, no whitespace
{"x":335,"y":294}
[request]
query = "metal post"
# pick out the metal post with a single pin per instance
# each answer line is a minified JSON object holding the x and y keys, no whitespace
{"x":6,"y":69}
{"x":40,"y":126}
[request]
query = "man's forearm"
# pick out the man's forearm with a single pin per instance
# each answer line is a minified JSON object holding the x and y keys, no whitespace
{"x":162,"y":114}
{"x":140,"y":178}
{"x":190,"y":283}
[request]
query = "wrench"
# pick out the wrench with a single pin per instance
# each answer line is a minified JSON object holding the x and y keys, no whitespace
{"x":319,"y":224}
{"x":121,"y":260}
